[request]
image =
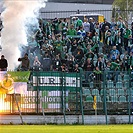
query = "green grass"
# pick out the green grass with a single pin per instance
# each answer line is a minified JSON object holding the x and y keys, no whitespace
{"x":66,"y":129}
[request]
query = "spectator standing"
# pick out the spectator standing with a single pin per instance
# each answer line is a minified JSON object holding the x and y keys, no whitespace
{"x":114,"y":54}
{"x":46,"y":62}
{"x":56,"y":26}
{"x":76,"y":68}
{"x":36,"y":64}
{"x":79,"y":23}
{"x":103,"y":29}
{"x":96,"y":41}
{"x":97,"y":78}
{"x":132,"y":31}
{"x":64,"y":27}
{"x":108,"y":43}
{"x":86,"y":25}
{"x":3,"y":63}
{"x":118,"y":41}
{"x":58,"y":45}
{"x":113,"y":23}
{"x":71,"y":31}
{"x":88,"y":67}
{"x":99,"y":64}
{"x":63,"y":68}
{"x":130,"y":44}
{"x":121,"y":25}
{"x":25,"y":66}
{"x":91,"y":21}
{"x":56,"y":63}
{"x":127,"y":33}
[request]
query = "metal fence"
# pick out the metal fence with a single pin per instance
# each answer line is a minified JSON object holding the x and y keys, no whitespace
{"x":70,"y":93}
{"x":108,"y":14}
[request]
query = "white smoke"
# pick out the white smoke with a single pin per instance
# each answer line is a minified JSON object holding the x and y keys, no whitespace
{"x":14,"y":18}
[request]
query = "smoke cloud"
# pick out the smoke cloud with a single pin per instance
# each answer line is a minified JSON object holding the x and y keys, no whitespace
{"x":15,"y":17}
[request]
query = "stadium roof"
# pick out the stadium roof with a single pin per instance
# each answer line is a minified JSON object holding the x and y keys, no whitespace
{"x":84,"y":1}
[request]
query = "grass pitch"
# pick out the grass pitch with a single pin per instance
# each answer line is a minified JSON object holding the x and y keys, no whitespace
{"x":66,"y":129}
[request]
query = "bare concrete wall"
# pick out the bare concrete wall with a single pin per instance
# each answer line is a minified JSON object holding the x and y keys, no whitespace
{"x":70,"y":119}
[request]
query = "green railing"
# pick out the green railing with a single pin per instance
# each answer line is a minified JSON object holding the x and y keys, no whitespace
{"x":71,"y":93}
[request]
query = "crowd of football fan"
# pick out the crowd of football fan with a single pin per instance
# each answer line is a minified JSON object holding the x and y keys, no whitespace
{"x":86,"y":44}
{"x":59,"y":45}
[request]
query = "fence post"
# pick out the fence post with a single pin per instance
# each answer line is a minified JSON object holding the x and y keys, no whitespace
{"x":81,"y":103}
{"x":104,"y":95}
{"x":129,"y":100}
{"x":81,"y":99}
{"x":37,"y":92}
{"x":76,"y":95}
{"x":62,"y":90}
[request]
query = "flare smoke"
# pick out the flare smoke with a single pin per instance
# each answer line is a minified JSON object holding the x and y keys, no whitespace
{"x":14,"y":18}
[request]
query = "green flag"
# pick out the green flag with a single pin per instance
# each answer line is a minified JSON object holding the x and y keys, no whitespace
{"x":19,"y":76}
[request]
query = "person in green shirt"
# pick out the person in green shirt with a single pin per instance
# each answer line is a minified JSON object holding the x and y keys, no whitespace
{"x":56,"y":26}
{"x":79,"y":23}
{"x":114,"y":70}
{"x":130,"y":61}
{"x":97,"y":78}
{"x":71,"y":31}
{"x":58,"y":45}
{"x":64,"y":27}
{"x":96,"y":41}
{"x":127,"y":33}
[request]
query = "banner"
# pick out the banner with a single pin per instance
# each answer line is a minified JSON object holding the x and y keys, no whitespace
{"x":19,"y":76}
{"x":13,"y":82}
{"x":56,"y":81}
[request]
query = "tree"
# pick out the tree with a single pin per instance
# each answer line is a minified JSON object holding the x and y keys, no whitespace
{"x":122,"y":8}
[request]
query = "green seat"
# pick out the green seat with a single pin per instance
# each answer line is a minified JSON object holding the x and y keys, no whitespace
{"x":126,"y":84}
{"x":112,"y":92}
{"x":122,"y":99}
{"x":131,"y":98}
{"x":121,"y":92}
{"x":110,"y":84}
{"x":89,"y":99}
{"x":102,"y":92}
{"x":98,"y":98}
{"x":127,"y":91}
{"x":131,"y":84}
{"x":119,"y":85}
{"x":102,"y":84}
{"x":131,"y":91}
{"x":119,"y":78}
{"x":95,"y":92}
{"x":91,"y":84}
{"x":126,"y":77}
{"x":114,"y":99}
{"x":86,"y":92}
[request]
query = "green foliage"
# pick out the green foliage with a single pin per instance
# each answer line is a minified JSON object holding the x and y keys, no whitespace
{"x":121,"y":8}
{"x":122,"y":4}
